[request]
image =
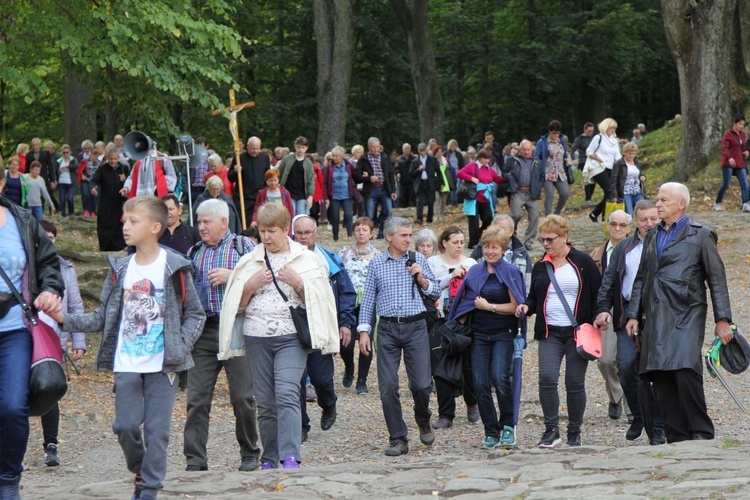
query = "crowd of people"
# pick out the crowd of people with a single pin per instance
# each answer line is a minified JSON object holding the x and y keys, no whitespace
{"x":271,"y":306}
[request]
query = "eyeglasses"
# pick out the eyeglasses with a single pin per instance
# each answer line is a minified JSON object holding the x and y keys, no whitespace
{"x":548,"y":241}
{"x":304,"y":233}
{"x":621,"y":225}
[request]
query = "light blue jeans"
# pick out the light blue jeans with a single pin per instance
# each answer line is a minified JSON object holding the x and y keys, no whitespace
{"x":300,"y":207}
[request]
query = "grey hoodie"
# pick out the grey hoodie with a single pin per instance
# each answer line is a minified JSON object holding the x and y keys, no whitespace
{"x":183,"y":322}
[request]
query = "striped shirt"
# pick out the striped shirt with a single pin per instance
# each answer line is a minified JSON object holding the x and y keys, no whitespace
{"x":222,"y":255}
{"x":632,"y":263}
{"x":391,"y":290}
{"x":665,"y":236}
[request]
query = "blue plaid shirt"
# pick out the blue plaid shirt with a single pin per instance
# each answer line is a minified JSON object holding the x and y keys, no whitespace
{"x":665,"y":236}
{"x":390,"y":289}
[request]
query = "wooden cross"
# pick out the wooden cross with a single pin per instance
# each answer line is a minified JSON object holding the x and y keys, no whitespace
{"x":233,"y":109}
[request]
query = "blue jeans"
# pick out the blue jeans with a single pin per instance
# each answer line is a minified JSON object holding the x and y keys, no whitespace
{"x":37,"y":211}
{"x":300,"y":207}
{"x":67,"y":194}
{"x":379,"y":196}
{"x":335,"y":216}
{"x":631,"y":200}
{"x":492,"y":362}
{"x":89,"y":200}
{"x":15,"y":360}
{"x":551,"y":351}
{"x":727,"y":173}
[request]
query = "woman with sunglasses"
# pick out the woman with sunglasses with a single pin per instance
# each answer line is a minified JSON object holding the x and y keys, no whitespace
{"x":579,"y":281}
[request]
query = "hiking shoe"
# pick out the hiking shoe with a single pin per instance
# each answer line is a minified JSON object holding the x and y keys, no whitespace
{"x":249,"y":464}
{"x":137,"y":487}
{"x":310,"y":395}
{"x":746,"y":207}
{"x":51,"y":458}
{"x":290,"y":462}
{"x":635,"y":431}
{"x":426,"y":435}
{"x":717,"y":208}
{"x":550,"y":438}
{"x":659,"y":437}
{"x":396,"y":449}
{"x":489,"y":443}
{"x":348,"y":379}
{"x":574,"y":439}
{"x":196,"y":468}
{"x":443,"y":423}
{"x":362,"y":387}
{"x":508,"y":438}
{"x":472,"y":413}
{"x":615,"y":410}
{"x":266,"y":465}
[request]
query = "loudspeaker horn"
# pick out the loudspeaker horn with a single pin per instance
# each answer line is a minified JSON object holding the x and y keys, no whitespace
{"x":196,"y":154}
{"x":137,"y":145}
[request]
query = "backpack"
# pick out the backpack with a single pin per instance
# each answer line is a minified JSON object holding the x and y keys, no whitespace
{"x":238,"y":245}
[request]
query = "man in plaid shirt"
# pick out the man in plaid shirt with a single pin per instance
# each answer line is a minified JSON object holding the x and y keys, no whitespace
{"x":213,"y":259}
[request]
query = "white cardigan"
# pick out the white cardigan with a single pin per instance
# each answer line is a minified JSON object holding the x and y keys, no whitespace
{"x":319,"y":301}
{"x":608,"y":149}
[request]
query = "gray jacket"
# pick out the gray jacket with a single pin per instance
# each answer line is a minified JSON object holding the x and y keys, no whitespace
{"x":183,"y":322}
{"x":72,"y":303}
{"x":512,"y":174}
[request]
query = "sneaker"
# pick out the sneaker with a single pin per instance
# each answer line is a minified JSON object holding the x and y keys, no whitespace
{"x":310,"y":394}
{"x":348,"y":379}
{"x":659,"y":437}
{"x":290,"y":462}
{"x":615,"y":410}
{"x":717,"y":208}
{"x":426,"y":435}
{"x":248,"y":464}
{"x":635,"y":431}
{"x":85,"y":214}
{"x":550,"y":438}
{"x":574,"y":439}
{"x":443,"y":423}
{"x":396,"y":449}
{"x":51,"y":458}
{"x":489,"y":443}
{"x":593,"y":218}
{"x":304,"y":436}
{"x":508,"y":439}
{"x":266,"y":465}
{"x":196,"y":468}
{"x":136,"y":487}
{"x":746,"y":207}
{"x":362,"y":387}
{"x":472,"y":413}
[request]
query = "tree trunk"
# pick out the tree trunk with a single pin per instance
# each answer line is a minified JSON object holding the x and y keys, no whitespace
{"x":110,"y":111}
{"x":429,"y":101}
{"x":334,"y":33}
{"x":79,"y":121}
{"x":703,"y":38}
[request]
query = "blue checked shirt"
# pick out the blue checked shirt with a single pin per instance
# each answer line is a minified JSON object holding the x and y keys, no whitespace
{"x":390,"y":289}
{"x":205,"y":258}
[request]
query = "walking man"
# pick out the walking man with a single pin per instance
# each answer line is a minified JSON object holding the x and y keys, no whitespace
{"x":374,"y":172}
{"x":525,"y":177}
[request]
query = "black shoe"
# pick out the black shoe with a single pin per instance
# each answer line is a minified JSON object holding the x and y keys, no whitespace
{"x":348,"y":379}
{"x":328,"y":417}
{"x":699,"y":437}
{"x":593,"y":217}
{"x":51,"y":458}
{"x":382,"y":237}
{"x":418,"y":221}
{"x":304,"y":436}
{"x":362,"y":387}
{"x":659,"y":437}
{"x":196,"y":468}
{"x":429,"y":221}
{"x":615,"y":410}
{"x":635,"y":431}
{"x":426,"y":435}
{"x":249,"y":464}
{"x":550,"y":438}
{"x":630,"y":418}
{"x":396,"y":449}
{"x":574,"y":439}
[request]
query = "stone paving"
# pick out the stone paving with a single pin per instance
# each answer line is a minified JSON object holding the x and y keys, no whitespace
{"x":697,"y":469}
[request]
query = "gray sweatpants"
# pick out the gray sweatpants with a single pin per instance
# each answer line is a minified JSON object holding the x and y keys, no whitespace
{"x":277,"y":364}
{"x":144,"y":399}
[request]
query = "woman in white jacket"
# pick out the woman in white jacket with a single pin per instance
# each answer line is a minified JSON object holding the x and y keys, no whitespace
{"x":254,"y":309}
{"x":604,"y":149}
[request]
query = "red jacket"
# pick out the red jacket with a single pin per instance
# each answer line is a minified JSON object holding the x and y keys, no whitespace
{"x":485,"y":175}
{"x":286,"y":200}
{"x":320,"y":191}
{"x":228,"y":186}
{"x":732,"y":146}
{"x":161,"y":179}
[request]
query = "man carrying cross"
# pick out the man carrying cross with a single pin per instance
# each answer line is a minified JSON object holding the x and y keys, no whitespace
{"x":253,"y":166}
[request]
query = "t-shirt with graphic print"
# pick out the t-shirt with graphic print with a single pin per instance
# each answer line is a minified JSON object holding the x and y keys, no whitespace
{"x":140,"y":345}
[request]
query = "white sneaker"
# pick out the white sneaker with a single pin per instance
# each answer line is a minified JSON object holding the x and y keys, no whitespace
{"x":718,"y":208}
{"x":746,"y":207}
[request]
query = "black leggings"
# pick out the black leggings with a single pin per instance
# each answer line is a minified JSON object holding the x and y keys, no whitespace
{"x":347,"y":355}
{"x":603,"y":180}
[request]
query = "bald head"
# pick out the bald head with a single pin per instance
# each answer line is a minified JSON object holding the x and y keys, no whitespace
{"x":525,"y":150}
{"x":672,"y":202}
{"x":253,"y":146}
{"x":680,"y":190}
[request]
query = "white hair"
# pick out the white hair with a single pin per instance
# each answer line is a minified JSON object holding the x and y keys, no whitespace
{"x":681,"y":189}
{"x":372,"y":140}
{"x":628,"y":217}
{"x":215,"y":207}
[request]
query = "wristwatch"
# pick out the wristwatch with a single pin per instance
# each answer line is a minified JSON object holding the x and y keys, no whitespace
{"x":494,"y":307}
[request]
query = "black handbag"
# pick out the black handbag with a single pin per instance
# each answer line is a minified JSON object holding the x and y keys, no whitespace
{"x":467,"y":190}
{"x":299,"y":313}
{"x":47,"y":381}
{"x":569,"y":174}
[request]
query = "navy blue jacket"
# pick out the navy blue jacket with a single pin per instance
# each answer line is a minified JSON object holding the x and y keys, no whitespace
{"x":542,"y":146}
{"x":343,"y":289}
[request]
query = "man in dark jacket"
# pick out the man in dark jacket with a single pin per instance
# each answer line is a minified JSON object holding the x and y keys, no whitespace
{"x":375,"y":173}
{"x":525,"y":177}
{"x":403,"y":164}
{"x":580,"y":144}
{"x":423,"y":175}
{"x":319,"y":367}
{"x":253,"y":165}
{"x":668,"y":305}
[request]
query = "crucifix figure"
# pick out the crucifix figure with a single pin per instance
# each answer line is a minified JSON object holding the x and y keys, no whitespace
{"x":233,"y":109}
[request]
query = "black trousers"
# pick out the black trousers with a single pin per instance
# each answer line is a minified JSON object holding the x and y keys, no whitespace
{"x":683,"y":403}
{"x":425,"y":196}
{"x":320,"y":369}
{"x":405,"y":196}
{"x":475,"y":232}
{"x":603,"y":179}
{"x":50,"y":425}
{"x":347,"y":355}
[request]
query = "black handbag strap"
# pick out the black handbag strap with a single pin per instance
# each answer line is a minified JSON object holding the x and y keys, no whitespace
{"x":24,"y":305}
{"x":551,"y":274}
{"x":268,"y":263}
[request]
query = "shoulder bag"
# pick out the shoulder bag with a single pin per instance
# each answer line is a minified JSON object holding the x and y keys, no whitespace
{"x":299,"y":313}
{"x":592,"y":168}
{"x":468,"y":190}
{"x":588,"y":338}
{"x":47,"y":382}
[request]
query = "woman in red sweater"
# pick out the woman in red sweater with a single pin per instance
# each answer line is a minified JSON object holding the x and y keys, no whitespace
{"x":733,"y":162}
{"x":483,"y":175}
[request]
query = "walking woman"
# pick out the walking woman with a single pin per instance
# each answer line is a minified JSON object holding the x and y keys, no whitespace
{"x":341,"y":190}
{"x":552,"y":153}
{"x":357,"y":260}
{"x":627,"y":181}
{"x":30,"y":262}
{"x":489,"y":296}
{"x":604,"y":149}
{"x":579,"y":280}
{"x":483,"y":175}
{"x":733,"y":162}
{"x":107,"y":182}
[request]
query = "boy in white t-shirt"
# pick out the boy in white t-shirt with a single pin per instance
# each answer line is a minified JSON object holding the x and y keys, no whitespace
{"x":150,"y":316}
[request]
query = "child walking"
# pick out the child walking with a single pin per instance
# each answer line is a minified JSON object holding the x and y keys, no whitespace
{"x":36,"y":189}
{"x":150,"y":316}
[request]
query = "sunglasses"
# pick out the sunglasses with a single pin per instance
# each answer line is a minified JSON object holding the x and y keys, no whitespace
{"x":548,"y":241}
